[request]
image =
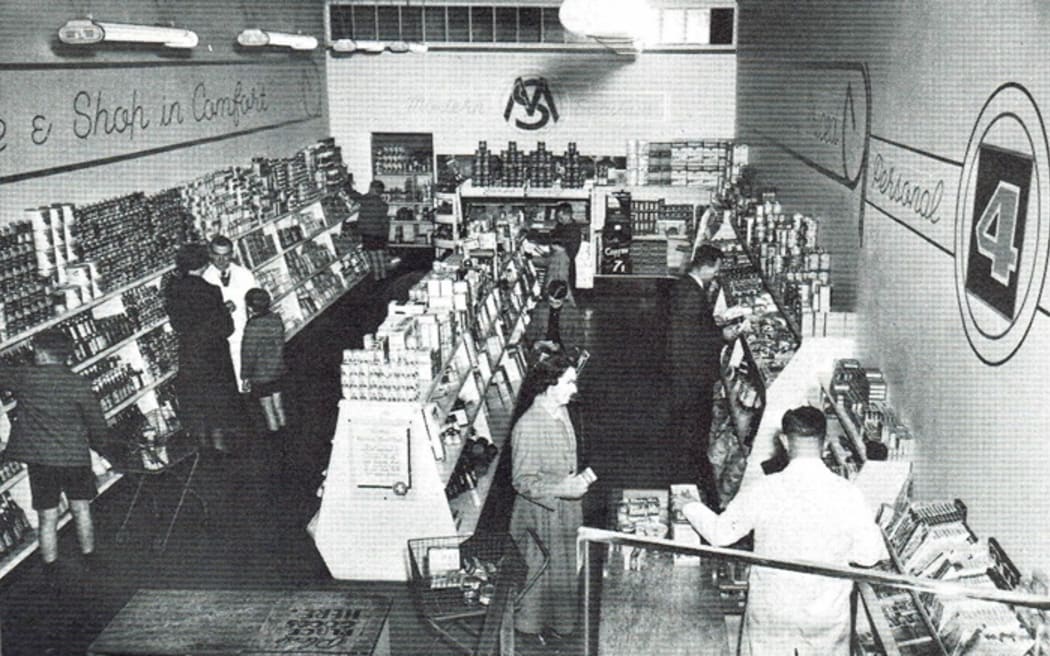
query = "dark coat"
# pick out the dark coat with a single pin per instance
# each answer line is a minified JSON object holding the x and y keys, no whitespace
{"x":205,"y":384}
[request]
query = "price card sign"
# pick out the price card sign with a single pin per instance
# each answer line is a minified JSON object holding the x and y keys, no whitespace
{"x":380,"y":456}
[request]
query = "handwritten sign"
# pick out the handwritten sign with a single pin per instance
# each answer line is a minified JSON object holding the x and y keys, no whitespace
{"x":63,"y":117}
{"x":917,"y":189}
{"x":380,"y":455}
{"x":823,"y":115}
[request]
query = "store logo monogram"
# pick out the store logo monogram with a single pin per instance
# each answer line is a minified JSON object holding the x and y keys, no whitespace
{"x":1001,"y":244}
{"x":534,"y":96}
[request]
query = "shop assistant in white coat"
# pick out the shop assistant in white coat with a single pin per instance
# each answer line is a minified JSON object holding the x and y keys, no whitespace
{"x":234,"y":281}
{"x":803,"y":512}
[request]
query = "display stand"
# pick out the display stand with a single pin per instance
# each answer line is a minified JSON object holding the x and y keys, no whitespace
{"x":389,"y":468}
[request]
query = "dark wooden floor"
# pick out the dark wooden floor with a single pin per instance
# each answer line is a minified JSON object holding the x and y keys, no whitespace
{"x":260,"y":502}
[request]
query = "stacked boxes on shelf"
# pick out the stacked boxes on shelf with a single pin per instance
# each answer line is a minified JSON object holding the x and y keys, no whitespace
{"x":698,"y":163}
{"x":539,"y":168}
{"x":688,"y":163}
{"x":23,"y":292}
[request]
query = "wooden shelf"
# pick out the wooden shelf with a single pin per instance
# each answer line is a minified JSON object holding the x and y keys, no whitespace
{"x":327,"y":304}
{"x":11,"y":341}
{"x":80,"y":366}
{"x":406,"y":174}
{"x":112,"y":412}
{"x":314,"y":235}
{"x":468,"y":190}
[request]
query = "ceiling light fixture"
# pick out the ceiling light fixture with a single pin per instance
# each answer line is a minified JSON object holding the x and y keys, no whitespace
{"x":257,"y":37}
{"x":86,"y":31}
{"x":375,"y":47}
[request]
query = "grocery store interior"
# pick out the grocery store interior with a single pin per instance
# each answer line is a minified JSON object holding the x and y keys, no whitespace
{"x":874,"y":175}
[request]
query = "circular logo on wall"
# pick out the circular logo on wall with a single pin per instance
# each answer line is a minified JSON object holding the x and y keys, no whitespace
{"x":1001,"y":240}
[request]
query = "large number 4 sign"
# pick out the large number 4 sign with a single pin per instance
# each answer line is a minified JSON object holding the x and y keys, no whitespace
{"x":1000,"y":211}
{"x":996,"y":229}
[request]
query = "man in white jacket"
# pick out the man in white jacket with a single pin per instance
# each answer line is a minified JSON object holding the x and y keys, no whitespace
{"x":234,"y":280}
{"x":803,"y":512}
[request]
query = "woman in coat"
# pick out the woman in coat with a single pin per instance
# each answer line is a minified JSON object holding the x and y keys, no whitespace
{"x":549,"y":489}
{"x":205,"y":383}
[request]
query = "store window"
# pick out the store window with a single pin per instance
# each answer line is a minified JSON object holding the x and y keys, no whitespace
{"x":457,"y":22}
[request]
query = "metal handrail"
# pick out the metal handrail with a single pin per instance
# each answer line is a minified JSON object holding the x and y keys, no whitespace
{"x":585,"y":535}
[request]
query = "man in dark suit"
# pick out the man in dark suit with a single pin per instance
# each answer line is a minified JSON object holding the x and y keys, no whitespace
{"x":694,"y":350}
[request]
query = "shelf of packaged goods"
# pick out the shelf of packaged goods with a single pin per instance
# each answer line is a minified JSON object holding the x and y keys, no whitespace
{"x":25,"y":334}
{"x":299,"y":283}
{"x":112,"y":412}
{"x":350,"y":285}
{"x":314,"y":235}
{"x":648,"y":237}
{"x":30,"y":543}
{"x":410,"y":203}
{"x":879,"y":624}
{"x":13,"y":480}
{"x":467,"y":190}
{"x":756,"y":265}
{"x":80,"y":366}
{"x":852,"y":431}
{"x":931,"y":628}
{"x":270,"y":221}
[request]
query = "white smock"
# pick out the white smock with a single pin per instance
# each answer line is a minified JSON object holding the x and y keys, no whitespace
{"x":238,"y":284}
{"x":805,"y":512}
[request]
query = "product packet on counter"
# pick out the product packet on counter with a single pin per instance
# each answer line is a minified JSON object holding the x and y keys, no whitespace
{"x":681,"y":495}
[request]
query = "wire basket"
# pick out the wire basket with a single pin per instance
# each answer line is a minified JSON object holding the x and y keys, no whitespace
{"x":446,"y":603}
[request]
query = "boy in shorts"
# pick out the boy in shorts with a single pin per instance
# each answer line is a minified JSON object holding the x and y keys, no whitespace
{"x":53,"y":425}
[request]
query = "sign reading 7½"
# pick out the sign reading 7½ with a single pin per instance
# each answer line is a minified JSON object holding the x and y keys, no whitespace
{"x":535,"y":97}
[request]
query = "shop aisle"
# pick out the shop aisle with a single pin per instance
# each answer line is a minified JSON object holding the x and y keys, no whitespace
{"x":259,"y":502}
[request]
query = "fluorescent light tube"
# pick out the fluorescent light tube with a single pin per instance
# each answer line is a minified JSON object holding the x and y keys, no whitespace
{"x":256,"y":37}
{"x":86,"y":31}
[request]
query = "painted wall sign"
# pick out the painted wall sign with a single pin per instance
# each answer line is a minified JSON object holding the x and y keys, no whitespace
{"x":62,"y":117}
{"x":824,"y":116}
{"x":533,"y":99}
{"x":1002,"y":236}
{"x":914,"y":188}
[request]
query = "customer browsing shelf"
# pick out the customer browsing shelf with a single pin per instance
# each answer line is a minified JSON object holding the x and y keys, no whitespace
{"x":54,"y":424}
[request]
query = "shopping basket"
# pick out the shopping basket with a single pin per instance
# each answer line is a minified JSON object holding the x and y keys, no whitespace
{"x":472,"y":624}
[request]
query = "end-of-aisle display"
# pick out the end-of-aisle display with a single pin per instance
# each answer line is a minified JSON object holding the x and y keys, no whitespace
{"x":426,"y":410}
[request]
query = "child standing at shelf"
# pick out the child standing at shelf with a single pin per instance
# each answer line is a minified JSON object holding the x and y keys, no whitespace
{"x":55,"y":422}
{"x":262,"y":357}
